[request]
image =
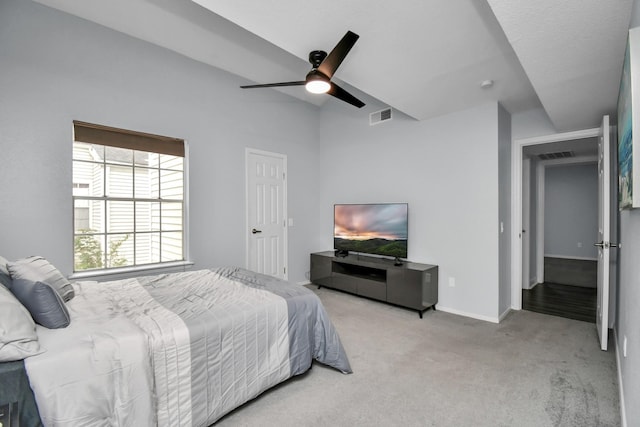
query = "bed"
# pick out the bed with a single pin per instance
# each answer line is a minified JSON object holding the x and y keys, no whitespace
{"x":179,"y":349}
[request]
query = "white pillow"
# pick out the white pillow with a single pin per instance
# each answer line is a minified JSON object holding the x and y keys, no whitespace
{"x":18,"y":338}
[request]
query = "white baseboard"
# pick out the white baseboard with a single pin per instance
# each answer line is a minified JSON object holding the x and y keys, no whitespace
{"x":465,"y":314}
{"x":623,"y":411}
{"x":503,"y":315}
{"x":303,"y":283}
{"x":532,"y":283}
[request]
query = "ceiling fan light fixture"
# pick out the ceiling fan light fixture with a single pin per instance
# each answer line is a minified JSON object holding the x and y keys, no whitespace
{"x":318,"y":80}
{"x":317,"y":85}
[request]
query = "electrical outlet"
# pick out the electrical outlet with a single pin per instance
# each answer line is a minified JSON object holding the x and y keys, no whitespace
{"x":624,"y":346}
{"x":452,"y":282}
{"x":579,"y":244}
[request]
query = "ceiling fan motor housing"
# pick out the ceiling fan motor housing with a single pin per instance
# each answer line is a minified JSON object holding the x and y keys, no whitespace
{"x":316,"y":57}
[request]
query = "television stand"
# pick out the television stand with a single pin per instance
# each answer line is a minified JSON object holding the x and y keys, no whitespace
{"x":410,"y":285}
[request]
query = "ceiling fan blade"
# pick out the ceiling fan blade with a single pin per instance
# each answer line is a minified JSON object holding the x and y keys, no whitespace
{"x":345,"y":96}
{"x":337,"y":55}
{"x":300,"y":83}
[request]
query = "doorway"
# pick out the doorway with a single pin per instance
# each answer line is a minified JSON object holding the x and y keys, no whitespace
{"x":534,"y":263}
{"x":560,"y":225}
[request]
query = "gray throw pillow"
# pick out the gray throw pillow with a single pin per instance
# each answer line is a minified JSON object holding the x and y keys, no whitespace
{"x":43,"y":302}
{"x":5,"y":278}
{"x":38,"y":269}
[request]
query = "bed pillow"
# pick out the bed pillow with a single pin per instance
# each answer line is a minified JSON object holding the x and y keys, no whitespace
{"x":18,"y":338}
{"x":43,"y":302}
{"x":5,"y":278}
{"x":38,"y":269}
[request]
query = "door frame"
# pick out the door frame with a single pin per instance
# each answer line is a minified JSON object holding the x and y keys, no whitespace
{"x":526,"y":223}
{"x":516,"y":196}
{"x":285,"y":249}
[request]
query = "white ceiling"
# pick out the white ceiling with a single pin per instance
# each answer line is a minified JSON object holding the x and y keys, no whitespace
{"x":424,"y":58}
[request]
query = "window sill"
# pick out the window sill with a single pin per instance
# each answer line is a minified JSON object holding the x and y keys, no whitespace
{"x":132,"y":271}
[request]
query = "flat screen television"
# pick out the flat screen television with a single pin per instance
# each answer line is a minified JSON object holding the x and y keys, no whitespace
{"x":380,"y":229}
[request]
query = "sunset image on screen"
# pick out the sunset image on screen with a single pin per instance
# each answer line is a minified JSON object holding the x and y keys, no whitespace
{"x":380,"y":229}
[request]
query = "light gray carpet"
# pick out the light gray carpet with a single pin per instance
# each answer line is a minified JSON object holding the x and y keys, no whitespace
{"x":446,"y":370}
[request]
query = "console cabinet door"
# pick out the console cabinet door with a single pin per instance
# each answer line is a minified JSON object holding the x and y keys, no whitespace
{"x":371,"y":289}
{"x":404,"y":287}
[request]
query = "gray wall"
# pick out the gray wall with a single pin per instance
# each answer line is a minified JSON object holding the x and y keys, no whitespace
{"x":55,"y":68}
{"x":571,"y":211}
{"x":446,"y":169}
{"x":531,"y":123}
{"x":628,"y":317}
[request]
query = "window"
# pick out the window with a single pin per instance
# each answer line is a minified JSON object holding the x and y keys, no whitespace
{"x":128,"y":198}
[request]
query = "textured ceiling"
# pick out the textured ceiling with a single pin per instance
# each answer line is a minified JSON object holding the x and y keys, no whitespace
{"x":572,"y":51}
{"x":422,"y":58}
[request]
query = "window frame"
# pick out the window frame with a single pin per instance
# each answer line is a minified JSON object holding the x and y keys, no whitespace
{"x":139,"y":142}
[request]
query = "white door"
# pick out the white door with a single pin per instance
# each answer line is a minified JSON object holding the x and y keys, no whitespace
{"x":604,"y":231}
{"x":266,"y":213}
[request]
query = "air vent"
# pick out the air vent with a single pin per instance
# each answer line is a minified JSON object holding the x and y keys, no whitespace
{"x":380,"y":116}
{"x":558,"y":155}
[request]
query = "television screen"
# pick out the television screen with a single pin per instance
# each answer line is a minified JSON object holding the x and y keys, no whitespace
{"x":380,"y":229}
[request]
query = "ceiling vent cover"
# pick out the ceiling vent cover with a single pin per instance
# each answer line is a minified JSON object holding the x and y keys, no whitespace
{"x":380,"y":116}
{"x":558,"y":155}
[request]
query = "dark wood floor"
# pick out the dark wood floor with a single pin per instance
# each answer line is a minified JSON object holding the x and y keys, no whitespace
{"x":573,"y":302}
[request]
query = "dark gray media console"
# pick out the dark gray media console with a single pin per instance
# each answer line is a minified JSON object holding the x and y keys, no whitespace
{"x":409,"y":285}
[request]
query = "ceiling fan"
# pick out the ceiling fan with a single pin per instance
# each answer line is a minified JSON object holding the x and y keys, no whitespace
{"x":318,"y":80}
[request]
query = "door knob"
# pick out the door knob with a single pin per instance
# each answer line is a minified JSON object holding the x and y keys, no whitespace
{"x":254,"y":231}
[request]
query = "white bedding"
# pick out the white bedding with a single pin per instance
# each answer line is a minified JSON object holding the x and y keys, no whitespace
{"x":96,"y":371}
